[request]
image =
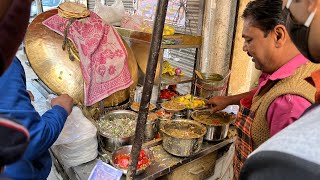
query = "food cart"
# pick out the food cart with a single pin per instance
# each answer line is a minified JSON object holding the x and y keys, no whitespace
{"x":67,"y":78}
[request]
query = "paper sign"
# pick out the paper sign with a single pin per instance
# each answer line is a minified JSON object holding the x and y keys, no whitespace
{"x":105,"y":171}
{"x":176,"y":13}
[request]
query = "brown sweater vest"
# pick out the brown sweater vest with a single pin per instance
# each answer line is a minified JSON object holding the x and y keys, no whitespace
{"x":295,"y":84}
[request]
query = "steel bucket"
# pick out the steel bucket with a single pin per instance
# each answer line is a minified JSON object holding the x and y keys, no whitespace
{"x":185,"y":146}
{"x":214,"y":132}
{"x":112,"y":143}
{"x":212,"y":84}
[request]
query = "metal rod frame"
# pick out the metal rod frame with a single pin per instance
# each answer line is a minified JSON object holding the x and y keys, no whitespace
{"x":148,"y":84}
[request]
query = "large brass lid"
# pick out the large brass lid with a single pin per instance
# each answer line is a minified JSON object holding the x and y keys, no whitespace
{"x":57,"y":71}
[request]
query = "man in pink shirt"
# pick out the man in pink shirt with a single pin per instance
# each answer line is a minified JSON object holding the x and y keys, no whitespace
{"x":282,"y":95}
{"x":285,"y":109}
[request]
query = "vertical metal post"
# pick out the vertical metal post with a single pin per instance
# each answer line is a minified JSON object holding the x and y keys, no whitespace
{"x":148,"y":84}
{"x":201,"y":17}
{"x":198,"y":50}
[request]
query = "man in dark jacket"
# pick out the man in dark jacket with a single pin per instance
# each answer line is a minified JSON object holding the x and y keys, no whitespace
{"x":14,"y":17}
{"x":15,"y":104}
{"x":16,"y":108}
{"x":12,"y":149}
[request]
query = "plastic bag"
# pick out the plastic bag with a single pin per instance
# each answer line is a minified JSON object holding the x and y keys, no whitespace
{"x":76,"y":153}
{"x":77,"y":143}
{"x":48,"y":100}
{"x":232,"y":109}
{"x":76,"y":128}
{"x":134,"y":22}
{"x":111,"y":14}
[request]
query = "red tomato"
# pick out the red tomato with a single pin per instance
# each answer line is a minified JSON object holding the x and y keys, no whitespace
{"x":124,"y":163}
{"x":158,"y":136}
{"x":122,"y":160}
{"x":160,"y":113}
{"x":143,"y":163}
{"x":167,"y":94}
{"x":142,"y":154}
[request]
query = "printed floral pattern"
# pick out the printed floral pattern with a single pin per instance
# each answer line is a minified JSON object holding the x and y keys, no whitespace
{"x":102,"y":53}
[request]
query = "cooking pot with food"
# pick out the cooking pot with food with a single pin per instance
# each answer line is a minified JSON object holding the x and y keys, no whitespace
{"x":116,"y":129}
{"x":182,"y":137}
{"x":217,"y":123}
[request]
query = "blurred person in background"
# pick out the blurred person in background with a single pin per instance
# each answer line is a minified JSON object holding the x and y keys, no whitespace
{"x":14,"y":17}
{"x":282,"y":94}
{"x":294,"y":153}
{"x":14,"y":20}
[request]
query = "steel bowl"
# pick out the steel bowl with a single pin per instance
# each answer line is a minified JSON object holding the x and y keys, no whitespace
{"x":175,"y":99}
{"x":177,"y":145}
{"x":214,"y":132}
{"x":112,"y":143}
{"x":180,"y":114}
{"x":172,"y":107}
{"x":136,"y":106}
{"x":127,"y":150}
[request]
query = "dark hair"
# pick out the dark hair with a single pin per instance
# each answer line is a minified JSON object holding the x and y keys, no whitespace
{"x":265,"y":14}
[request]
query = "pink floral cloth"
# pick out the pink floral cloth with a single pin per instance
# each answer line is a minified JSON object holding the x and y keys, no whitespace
{"x":103,"y":56}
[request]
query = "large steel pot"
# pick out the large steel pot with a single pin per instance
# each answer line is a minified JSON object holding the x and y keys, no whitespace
{"x":214,"y":132}
{"x":111,"y":143}
{"x":174,"y":141}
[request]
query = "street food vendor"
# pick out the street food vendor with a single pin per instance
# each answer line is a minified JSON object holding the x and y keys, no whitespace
{"x":298,"y":157}
{"x":15,"y":104}
{"x":282,"y":94}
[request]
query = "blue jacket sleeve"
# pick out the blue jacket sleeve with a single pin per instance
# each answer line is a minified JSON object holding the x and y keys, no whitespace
{"x":15,"y":104}
{"x":52,"y":123}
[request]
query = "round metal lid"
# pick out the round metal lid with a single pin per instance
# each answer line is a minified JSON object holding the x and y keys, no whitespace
{"x":53,"y":66}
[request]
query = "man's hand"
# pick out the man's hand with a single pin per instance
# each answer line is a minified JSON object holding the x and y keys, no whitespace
{"x":219,"y":103}
{"x":64,"y":101}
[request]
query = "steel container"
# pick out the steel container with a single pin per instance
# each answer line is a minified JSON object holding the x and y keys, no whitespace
{"x":112,"y":143}
{"x":212,"y":84}
{"x":214,"y":132}
{"x":178,"y":146}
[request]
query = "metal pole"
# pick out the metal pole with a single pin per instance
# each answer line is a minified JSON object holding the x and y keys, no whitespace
{"x":148,"y":84}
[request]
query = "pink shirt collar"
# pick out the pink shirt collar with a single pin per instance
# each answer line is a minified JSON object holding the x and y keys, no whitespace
{"x":284,"y":71}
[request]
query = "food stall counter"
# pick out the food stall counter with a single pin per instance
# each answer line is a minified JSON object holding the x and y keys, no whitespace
{"x":163,"y":163}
